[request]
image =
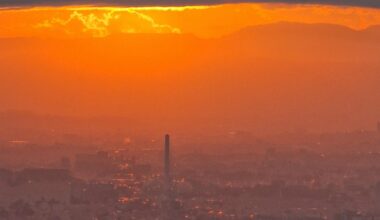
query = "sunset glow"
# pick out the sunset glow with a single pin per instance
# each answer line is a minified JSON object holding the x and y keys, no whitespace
{"x":189,"y":109}
{"x":202,"y":21}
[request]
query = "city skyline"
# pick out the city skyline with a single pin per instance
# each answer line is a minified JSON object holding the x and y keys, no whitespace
{"x":190,"y":110}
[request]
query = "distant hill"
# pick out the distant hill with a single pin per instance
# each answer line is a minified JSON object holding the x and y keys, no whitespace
{"x":266,"y":78}
{"x":375,"y":30}
{"x":308,"y":41}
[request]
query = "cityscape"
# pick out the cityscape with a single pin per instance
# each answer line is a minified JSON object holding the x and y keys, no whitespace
{"x":189,"y":110}
{"x":288,"y":176}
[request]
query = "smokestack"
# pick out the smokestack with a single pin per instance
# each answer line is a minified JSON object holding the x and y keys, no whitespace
{"x":167,"y":157}
{"x":167,"y":209}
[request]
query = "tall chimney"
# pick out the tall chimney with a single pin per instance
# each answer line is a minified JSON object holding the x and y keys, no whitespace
{"x":167,"y":158}
{"x":167,"y":209}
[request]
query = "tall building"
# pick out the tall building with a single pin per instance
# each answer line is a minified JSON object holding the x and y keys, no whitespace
{"x":167,"y":200}
{"x":167,"y":159}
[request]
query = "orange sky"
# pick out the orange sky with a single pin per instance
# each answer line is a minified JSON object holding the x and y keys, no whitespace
{"x":202,"y":21}
{"x":218,"y":72}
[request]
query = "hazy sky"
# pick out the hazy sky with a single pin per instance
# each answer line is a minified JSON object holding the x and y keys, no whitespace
{"x":251,"y":66}
{"x":202,"y":21}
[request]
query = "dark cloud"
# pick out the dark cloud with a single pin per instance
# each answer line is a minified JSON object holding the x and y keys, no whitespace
{"x":29,"y":3}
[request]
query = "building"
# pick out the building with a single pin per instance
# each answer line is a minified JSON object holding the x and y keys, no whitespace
{"x":97,"y":164}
